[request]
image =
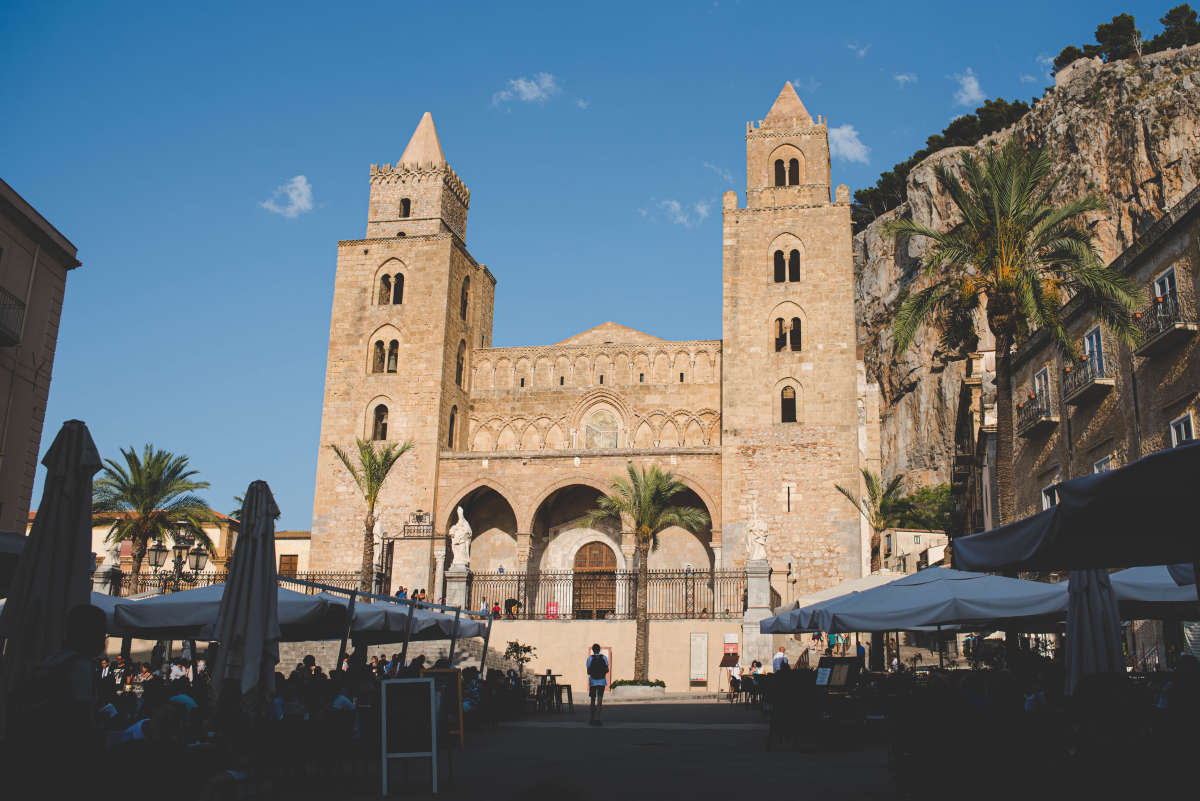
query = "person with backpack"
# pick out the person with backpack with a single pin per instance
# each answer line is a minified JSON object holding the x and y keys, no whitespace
{"x":597,"y":670}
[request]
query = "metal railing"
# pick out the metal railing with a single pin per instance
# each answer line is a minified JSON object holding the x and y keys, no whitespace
{"x":610,"y":595}
{"x":1080,"y":374}
{"x":1033,"y":410}
{"x":163,"y":582}
{"x":12,"y":313}
{"x":1163,"y":314}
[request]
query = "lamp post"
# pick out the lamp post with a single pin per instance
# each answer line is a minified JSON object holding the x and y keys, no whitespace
{"x":184,"y":551}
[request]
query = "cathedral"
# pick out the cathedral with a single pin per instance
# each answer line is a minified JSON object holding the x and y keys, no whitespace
{"x":759,"y":425}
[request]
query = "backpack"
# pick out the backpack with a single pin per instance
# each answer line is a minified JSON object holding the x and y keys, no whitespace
{"x":597,"y":666}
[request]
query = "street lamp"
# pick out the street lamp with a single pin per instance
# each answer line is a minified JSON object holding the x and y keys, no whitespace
{"x":185,"y":552}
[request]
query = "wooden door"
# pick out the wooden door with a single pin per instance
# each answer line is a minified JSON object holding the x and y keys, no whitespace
{"x":594,"y":590}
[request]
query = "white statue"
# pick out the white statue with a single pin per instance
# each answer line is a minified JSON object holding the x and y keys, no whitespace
{"x":756,"y":535}
{"x":460,"y":540}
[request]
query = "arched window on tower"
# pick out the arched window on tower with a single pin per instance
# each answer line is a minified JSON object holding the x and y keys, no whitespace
{"x":385,"y":289}
{"x":453,"y":420}
{"x":393,"y":357}
{"x":377,"y":357}
{"x":780,"y":335}
{"x":397,"y":289}
{"x":794,"y":266}
{"x":460,"y":363}
{"x":780,"y":267}
{"x":780,"y":173}
{"x":795,"y":333}
{"x":405,"y":207}
{"x":464,"y":297}
{"x":787,"y":405}
{"x":379,"y":423}
{"x":794,"y":172}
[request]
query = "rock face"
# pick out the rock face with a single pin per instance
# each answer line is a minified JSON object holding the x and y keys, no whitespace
{"x":1128,"y":132}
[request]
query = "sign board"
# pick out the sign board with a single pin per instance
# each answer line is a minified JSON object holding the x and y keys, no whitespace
{"x":731,"y":643}
{"x":699,"y":652}
{"x":552,"y":610}
{"x":447,"y":684}
{"x":408,"y":724}
{"x":606,"y":652}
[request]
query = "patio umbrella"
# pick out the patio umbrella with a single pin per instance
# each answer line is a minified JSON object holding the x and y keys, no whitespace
{"x":1150,"y":593}
{"x":789,"y":620}
{"x":1183,"y":574}
{"x":1093,"y":627}
{"x":103,"y":601}
{"x":192,"y":615}
{"x":388,"y":622}
{"x":52,"y":574}
{"x":248,"y":621}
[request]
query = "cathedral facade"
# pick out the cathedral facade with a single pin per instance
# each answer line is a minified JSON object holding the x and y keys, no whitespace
{"x":761,"y":423}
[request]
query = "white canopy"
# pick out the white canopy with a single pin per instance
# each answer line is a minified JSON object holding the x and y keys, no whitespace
{"x":192,"y":614}
{"x":789,"y":620}
{"x":105,"y":603}
{"x":385,"y":621}
{"x":939,"y":596}
{"x":1151,"y":593}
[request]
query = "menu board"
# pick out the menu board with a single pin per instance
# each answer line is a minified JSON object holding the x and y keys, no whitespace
{"x":699,"y":658}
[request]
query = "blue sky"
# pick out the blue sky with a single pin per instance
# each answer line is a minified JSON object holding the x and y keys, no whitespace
{"x":596,"y":140}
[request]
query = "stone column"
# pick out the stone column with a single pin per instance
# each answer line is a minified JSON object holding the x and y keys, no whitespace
{"x":456,"y":585}
{"x":758,"y":606}
{"x":524,"y":546}
{"x":628,"y":548}
{"x":439,"y":573}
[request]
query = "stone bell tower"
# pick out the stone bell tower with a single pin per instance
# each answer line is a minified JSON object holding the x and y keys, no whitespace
{"x":790,"y":424}
{"x":409,"y":305}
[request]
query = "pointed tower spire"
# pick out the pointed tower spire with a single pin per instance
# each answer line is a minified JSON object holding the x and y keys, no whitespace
{"x":424,"y":146}
{"x":787,"y":107}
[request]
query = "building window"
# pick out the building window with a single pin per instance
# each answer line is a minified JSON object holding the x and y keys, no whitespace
{"x":601,"y":430}
{"x":780,"y":173}
{"x":641,"y":378}
{"x":794,"y":266}
{"x":1181,"y":430}
{"x":780,"y":267}
{"x":377,"y":357}
{"x":397,"y":289}
{"x":288,"y":564}
{"x":1093,"y":352}
{"x":464,"y":296}
{"x":405,"y":207}
{"x":562,"y":379}
{"x":385,"y":290}
{"x":459,"y":363}
{"x":916,"y":539}
{"x":681,"y":378}
{"x":401,"y":233}
{"x":787,"y":405}
{"x":1102,"y":465}
{"x":522,"y":382}
{"x":379,"y":423}
{"x":1041,"y":388}
{"x":793,"y":172}
{"x":393,"y":356}
{"x":1050,"y":496}
{"x":780,"y":335}
{"x":1165,"y":287}
{"x":602,"y":378}
{"x":453,"y":420}
{"x":795,"y":333}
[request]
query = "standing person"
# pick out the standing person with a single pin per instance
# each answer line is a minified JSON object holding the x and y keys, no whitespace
{"x":597,"y":670}
{"x":780,"y":661}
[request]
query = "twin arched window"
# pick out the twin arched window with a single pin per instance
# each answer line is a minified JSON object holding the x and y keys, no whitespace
{"x":785,"y":333}
{"x":460,"y":363}
{"x":464,"y":297}
{"x":405,"y":207}
{"x":787,"y":268}
{"x":787,"y":174}
{"x":385,"y":363}
{"x":379,"y":423}
{"x":787,"y":405}
{"x":391,"y":289}
{"x":453,"y":420}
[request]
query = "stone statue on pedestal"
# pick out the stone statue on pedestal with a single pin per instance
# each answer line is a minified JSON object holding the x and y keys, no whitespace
{"x":756,"y":535}
{"x":460,"y":540}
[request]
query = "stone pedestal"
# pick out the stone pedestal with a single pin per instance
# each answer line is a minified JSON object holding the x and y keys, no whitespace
{"x":756,"y":645}
{"x":456,"y":585}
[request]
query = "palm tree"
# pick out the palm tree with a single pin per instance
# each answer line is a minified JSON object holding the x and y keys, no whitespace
{"x":881,"y":507}
{"x":1015,"y":258}
{"x":644,"y":499}
{"x":369,"y":472}
{"x":150,"y":497}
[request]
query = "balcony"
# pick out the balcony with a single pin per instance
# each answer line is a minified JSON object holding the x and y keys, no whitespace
{"x":1035,"y":415}
{"x":1087,"y":379}
{"x":12,"y":314}
{"x":1165,"y":322}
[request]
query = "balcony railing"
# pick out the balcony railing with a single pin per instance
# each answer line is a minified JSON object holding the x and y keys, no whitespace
{"x":612,"y":595}
{"x":1035,"y":414}
{"x":164,"y":581}
{"x":1087,"y":379}
{"x":12,"y":314}
{"x":1167,"y":320}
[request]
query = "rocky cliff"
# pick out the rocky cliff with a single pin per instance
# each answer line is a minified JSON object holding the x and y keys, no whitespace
{"x":1128,"y":132}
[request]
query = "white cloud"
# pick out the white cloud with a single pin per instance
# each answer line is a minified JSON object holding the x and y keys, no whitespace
{"x":858,"y":50}
{"x":298,"y":194}
{"x":806,"y":85}
{"x":687,"y":216}
{"x":844,"y":144}
{"x":538,"y":89}
{"x":1028,"y":79}
{"x":1045,"y":60}
{"x":904,"y":78}
{"x":722,"y":173}
{"x":969,"y":92}
{"x":581,"y":103}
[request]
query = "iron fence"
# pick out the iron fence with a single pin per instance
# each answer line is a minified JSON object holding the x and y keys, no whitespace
{"x":610,"y":595}
{"x":164,"y":581}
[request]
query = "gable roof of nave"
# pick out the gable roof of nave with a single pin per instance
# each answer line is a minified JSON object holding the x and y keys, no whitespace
{"x":610,"y":333}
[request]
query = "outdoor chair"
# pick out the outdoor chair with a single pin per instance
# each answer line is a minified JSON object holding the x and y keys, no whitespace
{"x":561,"y":688}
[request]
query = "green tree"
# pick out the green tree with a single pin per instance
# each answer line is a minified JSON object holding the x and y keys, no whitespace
{"x":927,"y":508}
{"x":1018,"y":257}
{"x":369,"y":471}
{"x":1118,"y":39}
{"x":149,"y":497}
{"x":880,"y":508}
{"x":1180,"y":28}
{"x":644,"y":500}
